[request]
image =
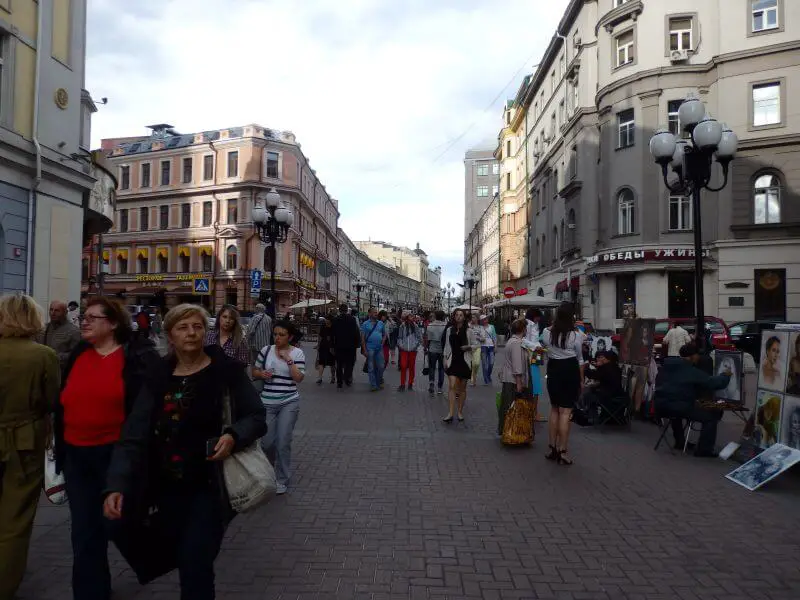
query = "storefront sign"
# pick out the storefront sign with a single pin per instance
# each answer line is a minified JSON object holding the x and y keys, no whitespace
{"x":190,"y":276}
{"x":643,"y":255}
{"x":149,"y":278}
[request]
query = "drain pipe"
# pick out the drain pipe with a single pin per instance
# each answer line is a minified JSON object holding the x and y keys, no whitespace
{"x":33,"y":192}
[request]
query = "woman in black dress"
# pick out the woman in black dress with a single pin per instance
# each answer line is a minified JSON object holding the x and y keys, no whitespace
{"x":457,"y":363}
{"x":325,"y":357}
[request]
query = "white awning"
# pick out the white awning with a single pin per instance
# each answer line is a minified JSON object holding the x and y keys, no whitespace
{"x":528,"y":300}
{"x":310,"y":303}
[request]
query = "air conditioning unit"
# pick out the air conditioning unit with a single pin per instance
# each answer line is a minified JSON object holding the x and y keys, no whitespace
{"x":571,"y":226}
{"x":679,"y":55}
{"x":576,"y":41}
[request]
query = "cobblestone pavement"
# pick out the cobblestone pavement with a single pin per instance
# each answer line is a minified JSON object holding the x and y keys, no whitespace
{"x":390,"y":503}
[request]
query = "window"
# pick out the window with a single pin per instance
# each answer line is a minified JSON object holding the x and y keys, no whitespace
{"x":207,"y":210}
{"x":145,"y":175}
{"x":766,"y":104}
{"x":554,"y":254}
{"x":572,"y":230}
{"x":122,"y":265}
{"x":125,"y":178}
{"x":165,"y":168}
{"x":272,"y":165}
{"x":562,"y":65}
{"x":162,"y":262}
{"x":544,"y":250}
{"x":680,"y":33}
{"x":553,"y":127}
{"x":233,"y":211}
{"x":537,"y":257}
{"x":231,"y":258}
{"x":483,"y":170}
{"x":144,"y":263}
{"x":144,"y":219}
{"x":680,"y":294}
{"x":163,"y":217}
{"x":553,"y":82}
{"x":627,"y":223}
{"x":186,"y":215}
{"x":626,"y":292}
{"x":187,"y":170}
{"x":208,"y":167}
{"x":508,"y":117}
{"x":482,"y":191}
{"x":765,"y":14}
{"x":767,"y":199}
{"x":205,"y":263}
{"x":508,"y":181}
{"x":680,"y":213}
{"x":561,"y":112}
{"x":619,"y":2}
{"x":624,"y":47}
{"x":563,"y":237}
{"x":183,"y":262}
{"x":576,"y":95}
{"x":626,"y":127}
{"x":495,"y":190}
{"x":233,"y":163}
{"x":508,"y":148}
{"x":573,"y":162}
{"x":123,"y":220}
{"x":672,"y":116}
{"x":555,"y":182}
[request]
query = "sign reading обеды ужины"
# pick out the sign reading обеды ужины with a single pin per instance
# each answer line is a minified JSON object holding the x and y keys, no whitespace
{"x":643,"y":255}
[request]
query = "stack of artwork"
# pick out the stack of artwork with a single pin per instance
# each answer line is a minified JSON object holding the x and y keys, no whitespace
{"x":777,"y":418}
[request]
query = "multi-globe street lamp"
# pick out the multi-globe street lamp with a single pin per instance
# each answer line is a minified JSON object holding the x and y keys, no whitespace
{"x":359,"y":284}
{"x":447,"y":291}
{"x":272,"y":221}
{"x":691,"y":158}
{"x":371,"y":291}
{"x":471,"y":281}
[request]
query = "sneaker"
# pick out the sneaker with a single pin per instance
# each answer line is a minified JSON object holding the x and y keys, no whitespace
{"x":381,"y":386}
{"x":281,"y":489}
{"x":440,"y":391}
{"x":373,"y":389}
{"x":430,"y":389}
{"x":401,"y":388}
{"x":319,"y":381}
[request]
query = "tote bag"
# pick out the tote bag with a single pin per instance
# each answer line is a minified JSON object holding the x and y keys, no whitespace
{"x":248,"y":475}
{"x":54,"y":484}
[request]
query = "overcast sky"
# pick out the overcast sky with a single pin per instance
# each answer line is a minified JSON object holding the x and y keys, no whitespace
{"x":385,"y":96}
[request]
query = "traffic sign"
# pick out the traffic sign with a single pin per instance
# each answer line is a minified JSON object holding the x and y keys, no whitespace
{"x":509,"y":292}
{"x":201,"y":286}
{"x":325,"y":268}
{"x":255,"y":281}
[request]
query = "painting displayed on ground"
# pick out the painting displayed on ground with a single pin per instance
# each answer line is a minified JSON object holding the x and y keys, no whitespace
{"x":764,"y":467}
{"x":793,"y":377}
{"x":724,"y":361}
{"x":601,"y":344}
{"x":790,"y":422}
{"x":636,"y":343}
{"x":774,"y":350}
{"x":768,"y":418}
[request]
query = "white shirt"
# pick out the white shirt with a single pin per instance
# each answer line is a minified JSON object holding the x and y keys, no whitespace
{"x":676,"y":338}
{"x":573,"y":346}
{"x":531,"y":341}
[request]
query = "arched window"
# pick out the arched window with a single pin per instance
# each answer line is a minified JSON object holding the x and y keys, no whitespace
{"x":627,"y":221}
{"x":554,"y":257}
{"x":232,"y":258}
{"x":540,"y":293}
{"x":563,"y":236}
{"x":572,"y":229}
{"x":767,"y":199}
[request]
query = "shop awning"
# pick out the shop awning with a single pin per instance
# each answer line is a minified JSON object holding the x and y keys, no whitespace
{"x":206,"y":251}
{"x":142,"y":252}
{"x":562,"y":286}
{"x":106,"y":255}
{"x":183,"y":251}
{"x":162,"y":252}
{"x":123,"y":254}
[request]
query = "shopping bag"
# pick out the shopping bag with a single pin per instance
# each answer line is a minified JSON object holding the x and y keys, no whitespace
{"x":54,"y":484}
{"x":518,"y":425}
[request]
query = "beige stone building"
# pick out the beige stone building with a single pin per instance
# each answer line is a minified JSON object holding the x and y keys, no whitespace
{"x":184,"y":213}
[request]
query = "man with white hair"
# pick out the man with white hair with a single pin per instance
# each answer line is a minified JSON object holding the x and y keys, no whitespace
{"x":259,"y":333}
{"x":60,"y":334}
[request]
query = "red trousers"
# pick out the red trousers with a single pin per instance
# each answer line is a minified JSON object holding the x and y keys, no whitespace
{"x":408,"y":363}
{"x":385,"y":355}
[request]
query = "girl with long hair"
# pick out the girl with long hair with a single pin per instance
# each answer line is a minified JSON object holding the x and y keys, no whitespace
{"x":325,"y":357}
{"x":565,"y":366}
{"x":457,"y":363}
{"x":228,"y":333}
{"x":476,"y":339}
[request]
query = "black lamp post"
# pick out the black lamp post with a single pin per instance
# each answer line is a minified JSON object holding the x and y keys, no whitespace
{"x":272,"y":221}
{"x":371,"y":290}
{"x":471,"y":281}
{"x":448,"y":291}
{"x":691,"y":159}
{"x":359,"y":284}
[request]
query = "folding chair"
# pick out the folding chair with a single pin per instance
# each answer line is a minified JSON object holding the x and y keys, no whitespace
{"x":617,"y":411}
{"x":664,"y":428}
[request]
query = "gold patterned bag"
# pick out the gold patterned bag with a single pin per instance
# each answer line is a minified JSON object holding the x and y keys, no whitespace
{"x":518,"y":425}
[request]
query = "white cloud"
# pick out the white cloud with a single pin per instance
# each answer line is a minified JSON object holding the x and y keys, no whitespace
{"x":374,"y":90}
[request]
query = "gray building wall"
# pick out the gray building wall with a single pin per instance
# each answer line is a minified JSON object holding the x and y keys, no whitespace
{"x":475,"y":206}
{"x":13,"y":234}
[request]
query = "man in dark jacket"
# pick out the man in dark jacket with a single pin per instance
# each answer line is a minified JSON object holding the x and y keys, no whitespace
{"x":346,"y":340}
{"x":605,"y":388}
{"x":678,"y":385}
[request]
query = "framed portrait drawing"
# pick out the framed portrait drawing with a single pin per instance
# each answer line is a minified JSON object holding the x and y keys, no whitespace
{"x":725,"y":360}
{"x":790,"y":422}
{"x":772,"y":370}
{"x":764,"y":467}
{"x":769,"y":406}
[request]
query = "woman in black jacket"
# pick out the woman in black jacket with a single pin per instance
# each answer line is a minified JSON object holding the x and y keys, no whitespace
{"x":172,"y":447}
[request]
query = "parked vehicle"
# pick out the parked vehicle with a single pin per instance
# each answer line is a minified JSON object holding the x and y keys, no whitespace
{"x":746,"y":336}
{"x":720,"y":334}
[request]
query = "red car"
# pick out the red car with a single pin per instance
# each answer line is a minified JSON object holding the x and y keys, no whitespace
{"x":721,"y":336}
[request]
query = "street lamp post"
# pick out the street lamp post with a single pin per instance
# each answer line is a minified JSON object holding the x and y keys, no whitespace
{"x":471,"y":281}
{"x":371,"y":290}
{"x":448,"y":291}
{"x":691,"y":160}
{"x":272,"y":221}
{"x":360,"y":284}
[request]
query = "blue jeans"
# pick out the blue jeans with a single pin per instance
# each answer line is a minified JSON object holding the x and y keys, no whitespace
{"x":487,"y":360}
{"x":375,"y":365}
{"x":436,"y":358}
{"x":277,"y":443}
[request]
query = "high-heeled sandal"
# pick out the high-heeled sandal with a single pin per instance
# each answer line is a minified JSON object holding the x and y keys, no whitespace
{"x":447,"y":419}
{"x":562,"y":460}
{"x":553,"y":454}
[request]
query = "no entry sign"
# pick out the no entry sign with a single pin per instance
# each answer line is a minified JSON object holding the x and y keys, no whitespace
{"x":509,"y":292}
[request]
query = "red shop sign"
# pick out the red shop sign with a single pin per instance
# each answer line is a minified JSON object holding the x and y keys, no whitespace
{"x":644,"y":255}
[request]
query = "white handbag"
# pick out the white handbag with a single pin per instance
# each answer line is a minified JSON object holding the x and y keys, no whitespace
{"x":54,"y":484}
{"x":249,"y":476}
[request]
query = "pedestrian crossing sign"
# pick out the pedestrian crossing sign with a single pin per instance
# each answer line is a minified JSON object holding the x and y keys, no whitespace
{"x":201,"y":286}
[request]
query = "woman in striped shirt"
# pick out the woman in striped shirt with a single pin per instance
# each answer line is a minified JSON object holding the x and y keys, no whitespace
{"x":281,"y":367}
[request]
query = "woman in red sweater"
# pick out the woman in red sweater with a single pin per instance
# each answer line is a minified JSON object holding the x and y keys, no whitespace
{"x":101,"y":380}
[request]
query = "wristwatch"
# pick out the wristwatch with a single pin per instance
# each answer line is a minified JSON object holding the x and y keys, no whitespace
{"x":290,"y":362}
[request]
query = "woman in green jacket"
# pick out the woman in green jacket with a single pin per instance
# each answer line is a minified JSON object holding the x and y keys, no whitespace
{"x":29,"y":383}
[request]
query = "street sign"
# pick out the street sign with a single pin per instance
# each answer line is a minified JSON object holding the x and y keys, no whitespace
{"x":325,"y":268}
{"x":255,"y":281}
{"x":509,"y":292}
{"x":201,"y":286}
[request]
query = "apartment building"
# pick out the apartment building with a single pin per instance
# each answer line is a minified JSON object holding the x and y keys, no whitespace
{"x":51,"y":190}
{"x":385,"y":286}
{"x":483,"y":253}
{"x":605,"y":230}
{"x":184,"y":212}
{"x":481,"y":184}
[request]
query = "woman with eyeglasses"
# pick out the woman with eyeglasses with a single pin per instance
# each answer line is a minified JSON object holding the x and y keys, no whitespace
{"x":228,"y":333}
{"x":102,"y":379}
